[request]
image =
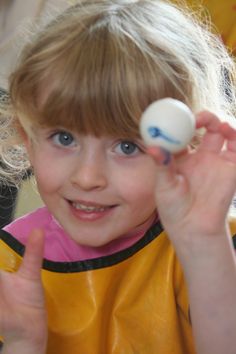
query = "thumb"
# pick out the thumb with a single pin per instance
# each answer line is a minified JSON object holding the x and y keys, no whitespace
{"x":32,"y":261}
{"x":171,"y":195}
{"x":166,"y":177}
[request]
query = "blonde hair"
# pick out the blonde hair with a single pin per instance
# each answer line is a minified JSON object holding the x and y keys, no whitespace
{"x":98,"y":65}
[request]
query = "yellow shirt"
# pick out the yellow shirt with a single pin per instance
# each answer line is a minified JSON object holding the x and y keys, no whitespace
{"x":132,"y":302}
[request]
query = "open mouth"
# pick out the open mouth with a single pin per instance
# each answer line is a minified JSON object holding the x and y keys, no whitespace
{"x":93,"y":208}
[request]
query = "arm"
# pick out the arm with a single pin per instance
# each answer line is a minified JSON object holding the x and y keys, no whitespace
{"x":22,"y":308}
{"x":193,"y":193}
{"x":211,"y":281}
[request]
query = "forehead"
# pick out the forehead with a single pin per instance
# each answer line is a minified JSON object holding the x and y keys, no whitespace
{"x":98,"y":110}
{"x":101,"y":86}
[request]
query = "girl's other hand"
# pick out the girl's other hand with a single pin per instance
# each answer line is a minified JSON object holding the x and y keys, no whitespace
{"x":23,"y":323}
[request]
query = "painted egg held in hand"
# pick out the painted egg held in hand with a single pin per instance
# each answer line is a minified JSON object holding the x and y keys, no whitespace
{"x":167,"y":123}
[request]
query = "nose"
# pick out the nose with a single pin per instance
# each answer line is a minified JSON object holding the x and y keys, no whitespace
{"x":90,"y":173}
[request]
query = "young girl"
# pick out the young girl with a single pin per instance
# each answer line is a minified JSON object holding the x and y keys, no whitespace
{"x":137,"y":252}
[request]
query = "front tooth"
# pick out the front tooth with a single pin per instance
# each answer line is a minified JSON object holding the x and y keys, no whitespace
{"x":87,"y":208}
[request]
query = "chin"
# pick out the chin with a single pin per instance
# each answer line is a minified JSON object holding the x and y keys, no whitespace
{"x":92,"y":242}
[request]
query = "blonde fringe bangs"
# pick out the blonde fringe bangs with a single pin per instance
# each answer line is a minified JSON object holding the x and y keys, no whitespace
{"x":102,"y":94}
{"x":98,"y":78}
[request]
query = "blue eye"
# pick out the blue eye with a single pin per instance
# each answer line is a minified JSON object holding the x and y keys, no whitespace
{"x":63,"y":139}
{"x":128,"y":148}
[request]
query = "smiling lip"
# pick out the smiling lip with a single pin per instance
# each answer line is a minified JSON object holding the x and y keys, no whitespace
{"x":89,"y":211}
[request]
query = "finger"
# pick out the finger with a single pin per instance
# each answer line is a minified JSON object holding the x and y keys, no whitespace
{"x":213,"y":140}
{"x":161,"y":156}
{"x":208,"y":120}
{"x":228,"y":131}
{"x":166,"y":171}
{"x":32,"y":260}
{"x":229,"y":152}
{"x":229,"y":134}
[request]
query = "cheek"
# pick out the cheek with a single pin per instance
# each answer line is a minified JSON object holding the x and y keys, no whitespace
{"x":47,"y":174}
{"x":138,"y":186}
{"x":141,"y":194}
{"x":45,"y":179}
{"x":140,"y":199}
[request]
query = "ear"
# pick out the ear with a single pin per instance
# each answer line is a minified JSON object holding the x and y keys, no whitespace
{"x":23,"y":135}
{"x":25,"y":138}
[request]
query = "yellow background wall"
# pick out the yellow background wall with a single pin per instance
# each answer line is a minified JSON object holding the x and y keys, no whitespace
{"x":223,"y":16}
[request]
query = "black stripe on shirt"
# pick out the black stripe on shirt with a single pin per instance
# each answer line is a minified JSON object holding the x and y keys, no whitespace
{"x":89,"y":264}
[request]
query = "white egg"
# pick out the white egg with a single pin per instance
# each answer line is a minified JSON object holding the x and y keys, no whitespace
{"x":167,"y":123}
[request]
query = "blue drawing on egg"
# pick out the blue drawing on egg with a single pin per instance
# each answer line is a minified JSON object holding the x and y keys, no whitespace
{"x":158,"y":133}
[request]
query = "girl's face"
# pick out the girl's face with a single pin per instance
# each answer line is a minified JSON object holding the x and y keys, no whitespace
{"x":98,"y":189}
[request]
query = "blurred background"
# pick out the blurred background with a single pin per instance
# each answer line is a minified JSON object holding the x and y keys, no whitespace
{"x":14,"y":13}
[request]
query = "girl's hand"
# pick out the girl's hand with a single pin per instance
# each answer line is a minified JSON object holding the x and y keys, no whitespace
{"x":194,"y":190}
{"x":22,"y":309}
